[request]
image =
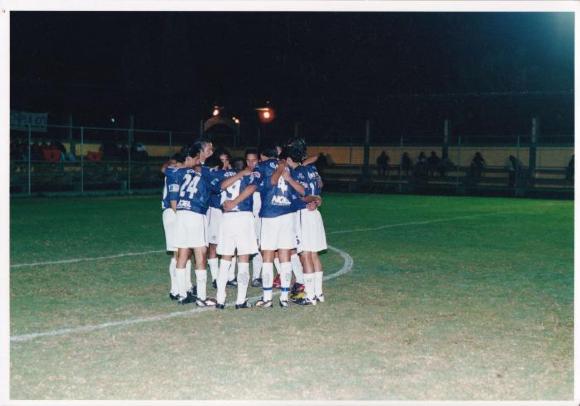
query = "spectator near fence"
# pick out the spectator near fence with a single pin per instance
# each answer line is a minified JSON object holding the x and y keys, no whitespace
{"x":383,"y":164}
{"x":570,"y":169}
{"x":476,"y":167}
{"x":433,"y":163}
{"x":406,"y":164}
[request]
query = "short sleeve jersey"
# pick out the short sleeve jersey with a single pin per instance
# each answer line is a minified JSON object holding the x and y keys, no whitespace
{"x":234,"y":190}
{"x":309,"y":178}
{"x":276,"y":199}
{"x":171,"y":184}
{"x":217,"y":175}
{"x":195,"y":190}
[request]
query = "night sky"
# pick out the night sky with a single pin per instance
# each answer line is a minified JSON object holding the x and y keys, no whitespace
{"x":330,"y":71}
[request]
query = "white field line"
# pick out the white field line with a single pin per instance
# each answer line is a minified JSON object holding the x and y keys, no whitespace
{"x":357,"y":230}
{"x":346,"y":267}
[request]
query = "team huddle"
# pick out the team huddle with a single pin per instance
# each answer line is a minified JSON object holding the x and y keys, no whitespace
{"x":263,"y":210}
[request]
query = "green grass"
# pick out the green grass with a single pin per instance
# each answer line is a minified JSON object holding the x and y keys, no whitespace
{"x":476,"y":307}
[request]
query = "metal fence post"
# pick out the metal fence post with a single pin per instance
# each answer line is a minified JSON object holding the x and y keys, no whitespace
{"x":82,"y":160}
{"x":29,"y":160}
{"x":170,"y":138}
{"x":130,"y":136}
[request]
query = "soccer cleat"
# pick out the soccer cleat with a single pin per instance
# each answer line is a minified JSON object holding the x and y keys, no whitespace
{"x":173,"y":297}
{"x":297,"y":288}
{"x":320,"y":298}
{"x":232,"y":283}
{"x":244,"y":305}
{"x":185,"y":300}
{"x":306,"y":302}
{"x":297,"y":296}
{"x":209,"y":302}
{"x":277,"y":284}
{"x":257,"y":283}
{"x":214,"y":283}
{"x":284,"y":304}
{"x":220,"y":306}
{"x":263,"y":303}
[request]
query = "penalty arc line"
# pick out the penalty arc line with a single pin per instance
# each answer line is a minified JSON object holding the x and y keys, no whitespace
{"x":346,"y":267}
{"x":357,"y":230}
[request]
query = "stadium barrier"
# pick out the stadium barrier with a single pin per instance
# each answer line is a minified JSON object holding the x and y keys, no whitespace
{"x":89,"y":166}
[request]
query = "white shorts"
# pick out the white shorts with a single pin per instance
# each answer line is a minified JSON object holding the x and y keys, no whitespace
{"x":311,"y":235}
{"x":169,"y":224}
{"x":278,"y":232}
{"x":237,"y":232}
{"x":190,"y":230}
{"x":214,"y":221}
{"x":257,"y":227}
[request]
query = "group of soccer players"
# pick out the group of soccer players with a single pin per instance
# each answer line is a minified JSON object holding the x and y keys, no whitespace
{"x":263,"y":209}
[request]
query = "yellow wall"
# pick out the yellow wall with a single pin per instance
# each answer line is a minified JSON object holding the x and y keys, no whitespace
{"x":547,"y":157}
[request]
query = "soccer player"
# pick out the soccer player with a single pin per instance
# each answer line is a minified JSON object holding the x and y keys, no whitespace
{"x":237,"y":233}
{"x":172,"y":182}
{"x":214,"y":216}
{"x":192,"y":205}
{"x":311,"y":234}
{"x":252,"y":159}
{"x":278,"y":226}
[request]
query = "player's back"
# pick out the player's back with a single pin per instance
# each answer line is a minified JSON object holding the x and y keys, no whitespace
{"x":195,"y":190}
{"x":171,"y":184}
{"x":276,"y":199}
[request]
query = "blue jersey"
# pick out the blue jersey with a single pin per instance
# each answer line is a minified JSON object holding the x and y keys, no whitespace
{"x":276,"y":199}
{"x":172,"y":182}
{"x":217,"y":176}
{"x":195,"y":190}
{"x":308,"y":177}
{"x":234,"y":190}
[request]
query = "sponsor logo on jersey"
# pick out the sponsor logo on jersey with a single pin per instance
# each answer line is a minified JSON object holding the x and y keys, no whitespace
{"x":184,"y":204}
{"x":280,"y":201}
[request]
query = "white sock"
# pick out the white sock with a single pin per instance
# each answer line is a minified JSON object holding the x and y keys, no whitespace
{"x":232,"y":272}
{"x":277,"y":264}
{"x":297,"y":268}
{"x":222,"y":280}
{"x":181,"y":285}
{"x":285,"y":279}
{"x":201,"y":280}
{"x":257,"y":265}
{"x":188,"y":275}
{"x":267,"y":279}
{"x":172,"y":266}
{"x":318,"y":283}
{"x":309,"y":285}
{"x":213,"y":268}
{"x":243,"y":281}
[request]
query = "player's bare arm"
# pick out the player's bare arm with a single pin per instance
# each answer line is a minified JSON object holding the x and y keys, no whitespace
{"x":310,"y":160}
{"x":248,"y":191}
{"x":226,"y":183}
{"x":295,"y":185}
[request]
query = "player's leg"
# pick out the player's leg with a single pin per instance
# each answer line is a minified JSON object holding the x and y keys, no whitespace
{"x":297,"y":269}
{"x":222,"y":280}
{"x":276,"y":282}
{"x":268,"y":243}
{"x":318,"y":276}
{"x":246,"y":245}
{"x":285,"y":275}
{"x":169,"y":224}
{"x":257,"y":259}
{"x":200,"y":253}
{"x":232,"y":273}
{"x":183,"y":255}
{"x":213,"y":262}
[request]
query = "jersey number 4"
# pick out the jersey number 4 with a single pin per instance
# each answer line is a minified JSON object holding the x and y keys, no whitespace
{"x":189,"y":186}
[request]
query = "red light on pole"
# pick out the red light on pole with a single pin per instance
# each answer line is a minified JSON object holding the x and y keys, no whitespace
{"x":266,"y":114}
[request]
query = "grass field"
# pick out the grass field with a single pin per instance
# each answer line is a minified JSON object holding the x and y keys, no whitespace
{"x":449,"y":298}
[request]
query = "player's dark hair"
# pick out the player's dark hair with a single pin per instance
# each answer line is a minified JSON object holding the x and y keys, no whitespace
{"x":179,"y":157}
{"x":251,"y":151}
{"x":192,"y":150}
{"x":238,"y":163}
{"x":269,"y":150}
{"x":295,"y":149}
